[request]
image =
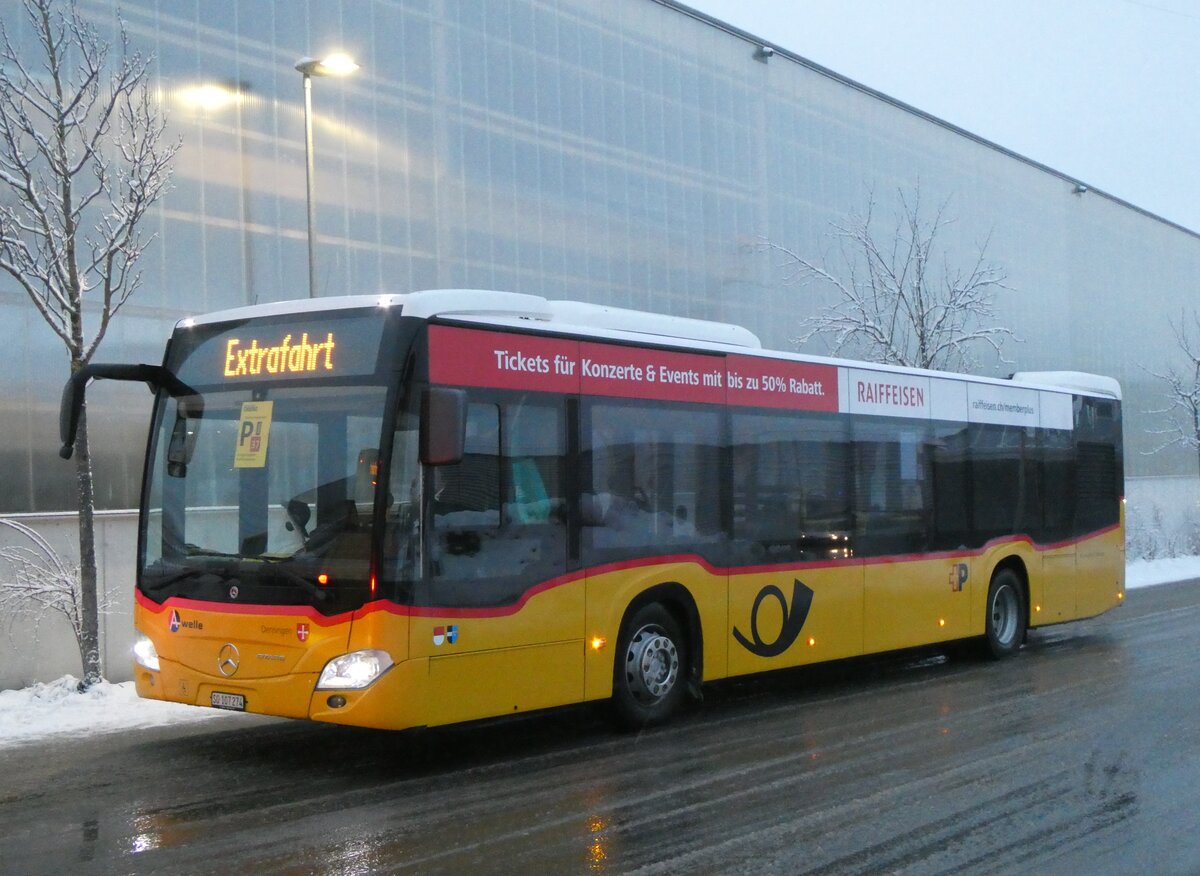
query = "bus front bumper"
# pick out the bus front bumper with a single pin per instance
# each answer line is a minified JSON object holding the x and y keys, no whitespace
{"x":391,"y":702}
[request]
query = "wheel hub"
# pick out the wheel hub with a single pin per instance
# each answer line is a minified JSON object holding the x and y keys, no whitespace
{"x":651,"y":664}
{"x":1004,"y":615}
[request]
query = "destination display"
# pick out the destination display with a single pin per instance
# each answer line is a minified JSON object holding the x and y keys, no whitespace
{"x":262,"y":350}
{"x":244,"y":360}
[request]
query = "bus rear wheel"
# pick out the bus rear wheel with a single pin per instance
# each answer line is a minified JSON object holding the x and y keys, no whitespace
{"x":1007,"y":615}
{"x":649,"y":681}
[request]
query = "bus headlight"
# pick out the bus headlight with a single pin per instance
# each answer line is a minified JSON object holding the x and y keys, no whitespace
{"x":144,"y":653}
{"x":355,"y":670}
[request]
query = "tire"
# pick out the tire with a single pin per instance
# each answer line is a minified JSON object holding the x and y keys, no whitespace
{"x":1007,"y":615}
{"x":650,"y":675}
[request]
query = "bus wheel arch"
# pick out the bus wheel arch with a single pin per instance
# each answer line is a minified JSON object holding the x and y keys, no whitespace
{"x":1006,"y":618}
{"x":659,"y":644}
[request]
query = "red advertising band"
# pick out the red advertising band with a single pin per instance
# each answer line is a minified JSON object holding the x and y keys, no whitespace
{"x":470,"y":357}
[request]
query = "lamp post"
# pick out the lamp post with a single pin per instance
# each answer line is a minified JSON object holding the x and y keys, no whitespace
{"x":331,"y":65}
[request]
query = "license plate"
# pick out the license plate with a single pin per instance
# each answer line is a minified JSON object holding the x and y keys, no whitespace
{"x":235,"y":702}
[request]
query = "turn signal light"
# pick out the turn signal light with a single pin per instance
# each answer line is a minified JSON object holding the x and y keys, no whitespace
{"x":322,"y":579}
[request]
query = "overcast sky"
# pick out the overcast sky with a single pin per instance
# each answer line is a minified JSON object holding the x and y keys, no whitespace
{"x":1106,"y":91}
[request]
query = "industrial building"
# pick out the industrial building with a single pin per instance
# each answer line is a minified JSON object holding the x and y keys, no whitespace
{"x":632,"y":152}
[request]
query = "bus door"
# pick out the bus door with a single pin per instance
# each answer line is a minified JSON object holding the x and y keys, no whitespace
{"x":796,"y":584}
{"x":504,"y":630}
{"x":650,"y":514}
{"x":911,"y":597}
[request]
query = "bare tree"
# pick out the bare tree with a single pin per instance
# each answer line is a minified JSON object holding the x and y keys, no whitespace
{"x":898,"y":300}
{"x":82,"y":160}
{"x":36,"y":581}
{"x":1182,"y":389}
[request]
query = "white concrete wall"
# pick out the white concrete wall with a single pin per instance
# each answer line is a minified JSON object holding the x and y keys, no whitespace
{"x":46,"y":651}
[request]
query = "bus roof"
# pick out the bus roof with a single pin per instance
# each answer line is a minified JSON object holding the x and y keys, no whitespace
{"x":520,"y":311}
{"x":1077,"y":381}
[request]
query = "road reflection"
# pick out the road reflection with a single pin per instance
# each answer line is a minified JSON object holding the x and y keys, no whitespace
{"x":817,"y":762}
{"x":597,"y":852}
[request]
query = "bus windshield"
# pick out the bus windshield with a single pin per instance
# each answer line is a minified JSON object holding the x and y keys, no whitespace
{"x":264,"y":496}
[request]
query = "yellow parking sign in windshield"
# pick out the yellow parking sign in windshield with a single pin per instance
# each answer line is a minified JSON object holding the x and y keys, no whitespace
{"x":254,"y":429}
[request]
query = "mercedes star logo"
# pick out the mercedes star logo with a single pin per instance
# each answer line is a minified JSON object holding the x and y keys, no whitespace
{"x":227,"y":659}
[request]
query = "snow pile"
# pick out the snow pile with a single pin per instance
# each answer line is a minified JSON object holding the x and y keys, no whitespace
{"x":1147,"y":573}
{"x":58,"y":709}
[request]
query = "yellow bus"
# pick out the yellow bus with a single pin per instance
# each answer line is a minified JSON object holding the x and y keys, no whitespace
{"x":413,"y":510}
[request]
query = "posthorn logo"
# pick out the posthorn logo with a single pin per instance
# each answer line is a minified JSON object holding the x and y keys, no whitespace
{"x":793,"y":620}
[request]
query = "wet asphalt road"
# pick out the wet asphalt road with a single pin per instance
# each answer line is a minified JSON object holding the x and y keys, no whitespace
{"x":1080,"y":756}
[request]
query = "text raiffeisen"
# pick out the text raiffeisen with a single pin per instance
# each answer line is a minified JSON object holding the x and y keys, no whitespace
{"x":283,"y":358}
{"x":894,"y":394}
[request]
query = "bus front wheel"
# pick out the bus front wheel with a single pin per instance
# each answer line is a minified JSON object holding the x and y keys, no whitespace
{"x":651,"y":662}
{"x":1006,"y":615}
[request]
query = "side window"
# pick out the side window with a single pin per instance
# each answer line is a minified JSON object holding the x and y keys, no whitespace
{"x":1098,"y":494}
{"x":651,"y":481}
{"x":469,"y":492}
{"x":534,"y":447}
{"x":893,"y":486}
{"x":791,"y":487}
{"x":1098,"y":464}
{"x":1006,"y":482}
{"x":951,"y":527}
{"x":498,"y":518}
{"x":1058,"y":480}
{"x":402,"y":508}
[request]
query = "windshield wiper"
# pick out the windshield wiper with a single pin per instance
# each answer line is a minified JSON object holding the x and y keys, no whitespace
{"x":194,"y":550}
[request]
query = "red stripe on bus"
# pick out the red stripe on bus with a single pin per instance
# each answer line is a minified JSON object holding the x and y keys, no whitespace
{"x":306,"y":611}
{"x":593,"y":572}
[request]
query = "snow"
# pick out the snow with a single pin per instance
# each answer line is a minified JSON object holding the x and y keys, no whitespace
{"x":57,"y":709}
{"x":1148,"y":573}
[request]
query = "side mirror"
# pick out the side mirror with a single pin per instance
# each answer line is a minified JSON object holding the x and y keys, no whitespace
{"x":69,"y":411}
{"x":443,"y":425}
{"x":154,"y":376}
{"x":184,"y":433}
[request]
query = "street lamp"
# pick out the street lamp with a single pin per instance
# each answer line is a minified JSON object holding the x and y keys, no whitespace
{"x":331,"y":65}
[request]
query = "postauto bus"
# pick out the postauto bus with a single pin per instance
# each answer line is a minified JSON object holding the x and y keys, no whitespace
{"x":420,"y":509}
